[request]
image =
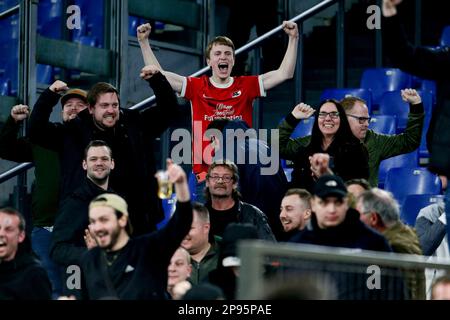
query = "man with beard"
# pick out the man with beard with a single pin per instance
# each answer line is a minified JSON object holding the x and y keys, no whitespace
{"x":68,"y":244}
{"x":47,"y":175}
{"x":124,"y":268}
{"x":295,"y":211}
{"x":129,"y":133}
{"x":224,"y":204}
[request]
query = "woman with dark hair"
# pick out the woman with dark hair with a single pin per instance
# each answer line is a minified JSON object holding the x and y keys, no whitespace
{"x":331,"y":134}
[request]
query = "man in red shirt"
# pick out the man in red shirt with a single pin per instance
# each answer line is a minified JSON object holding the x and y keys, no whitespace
{"x":221,"y":96}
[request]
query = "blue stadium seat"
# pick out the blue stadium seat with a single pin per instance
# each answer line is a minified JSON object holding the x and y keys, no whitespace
{"x":50,"y":14}
{"x":133,"y":23}
{"x":391,"y":103}
{"x":288,"y":173}
{"x":445,"y":37}
{"x":303,"y":128}
{"x":406,"y":181}
{"x":414,"y":203}
{"x":383,"y":124}
{"x":169,"y":206}
{"x":5,"y":87}
{"x":429,"y":86}
{"x":339,"y":94}
{"x":44,"y":74}
{"x":423,"y":149}
{"x":380,"y":80}
{"x":93,"y":12}
{"x":192,"y":182}
{"x":407,"y":160}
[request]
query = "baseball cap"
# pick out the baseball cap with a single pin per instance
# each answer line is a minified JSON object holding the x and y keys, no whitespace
{"x":110,"y":200}
{"x":74,"y":93}
{"x":330,"y":185}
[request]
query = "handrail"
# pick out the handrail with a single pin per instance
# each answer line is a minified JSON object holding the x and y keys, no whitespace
{"x":302,"y":16}
{"x":9,"y":11}
{"x":11,"y":173}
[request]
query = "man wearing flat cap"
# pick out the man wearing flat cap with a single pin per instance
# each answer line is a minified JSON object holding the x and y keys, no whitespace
{"x":47,"y":174}
{"x":127,"y":268}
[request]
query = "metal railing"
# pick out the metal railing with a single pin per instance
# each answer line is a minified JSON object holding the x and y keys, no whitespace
{"x":256,"y":255}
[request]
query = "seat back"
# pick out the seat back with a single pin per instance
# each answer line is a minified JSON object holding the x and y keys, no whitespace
{"x":341,"y":93}
{"x":380,"y":80}
{"x":406,"y":160}
{"x":414,"y":203}
{"x":303,"y":128}
{"x":445,"y":37}
{"x":406,"y":181}
{"x":384,"y":124}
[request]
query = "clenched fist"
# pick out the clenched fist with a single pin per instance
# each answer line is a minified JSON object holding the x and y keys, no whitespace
{"x":143,"y":31}
{"x":411,"y":96}
{"x":20,"y":112}
{"x":148,"y":71}
{"x":290,"y":28}
{"x":59,"y":86}
{"x":302,"y":111}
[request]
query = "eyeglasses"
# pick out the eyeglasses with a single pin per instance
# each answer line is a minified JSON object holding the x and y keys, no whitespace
{"x":225,"y":179}
{"x":361,"y":120}
{"x":333,"y":115}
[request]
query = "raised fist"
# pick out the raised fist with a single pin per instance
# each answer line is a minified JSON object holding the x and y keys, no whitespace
{"x":143,"y":31}
{"x":20,"y":112}
{"x":302,"y":111}
{"x":290,"y":28}
{"x":390,"y":7}
{"x":59,"y":86}
{"x":148,"y":71}
{"x":411,"y":96}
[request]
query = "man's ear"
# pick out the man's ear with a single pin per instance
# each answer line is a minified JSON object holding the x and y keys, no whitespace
{"x":91,"y":109}
{"x":84,"y":165}
{"x":21,"y":236}
{"x":307,"y":214}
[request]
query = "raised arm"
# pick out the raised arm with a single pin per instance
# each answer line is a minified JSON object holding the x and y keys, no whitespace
{"x":143,"y":34}
{"x":41,"y":131}
{"x":290,"y":148}
{"x":12,"y":147}
{"x":287,"y":67}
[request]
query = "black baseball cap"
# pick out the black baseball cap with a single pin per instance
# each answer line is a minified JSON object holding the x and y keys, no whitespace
{"x":330,"y":185}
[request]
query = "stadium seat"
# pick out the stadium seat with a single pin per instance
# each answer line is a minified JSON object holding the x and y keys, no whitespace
{"x":169,"y":206}
{"x":445,"y":37}
{"x":339,"y":94}
{"x":423,"y":149}
{"x":391,"y":103}
{"x":192,"y":182}
{"x":383,"y":124}
{"x":50,"y":13}
{"x":44,"y":74}
{"x":406,"y":181}
{"x":5,"y":87}
{"x":407,"y":160}
{"x":303,"y":128}
{"x":380,"y":80}
{"x":429,"y":86}
{"x":288,"y":173}
{"x":413,"y":203}
{"x":133,"y":23}
{"x":93,"y":12}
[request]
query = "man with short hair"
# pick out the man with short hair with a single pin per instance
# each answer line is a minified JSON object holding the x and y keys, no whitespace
{"x":382,"y":146}
{"x":379,"y":210}
{"x":133,"y":268}
{"x":179,"y":271}
{"x":221,"y":95}
{"x":68,"y":244}
{"x":47,"y":175}
{"x":295,"y":211}
{"x":21,"y":275}
{"x":224,"y":205}
{"x":129,"y":133}
{"x":202,"y":246}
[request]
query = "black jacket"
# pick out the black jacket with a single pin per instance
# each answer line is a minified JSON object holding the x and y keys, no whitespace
{"x":68,"y":244}
{"x":140,"y":270}
{"x":132,"y":143}
{"x":23,"y":278}
{"x":431,"y":64}
{"x":247,"y":213}
{"x":351,"y":233}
